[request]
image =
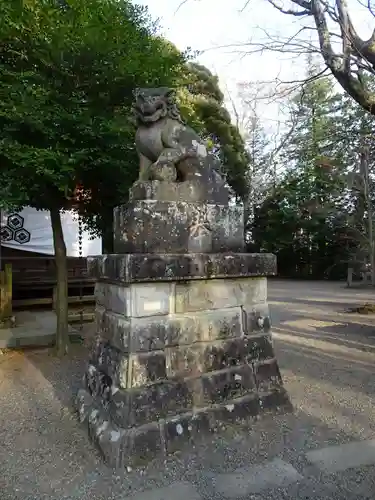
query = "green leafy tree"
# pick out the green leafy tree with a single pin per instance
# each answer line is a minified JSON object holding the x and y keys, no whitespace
{"x":297,"y":220}
{"x":319,"y":217}
{"x":202,"y":105}
{"x":68,"y":70}
{"x":356,"y":130}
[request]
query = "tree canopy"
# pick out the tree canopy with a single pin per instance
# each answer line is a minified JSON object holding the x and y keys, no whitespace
{"x":202,"y":105}
{"x":316,"y":216}
{"x":68,"y":72}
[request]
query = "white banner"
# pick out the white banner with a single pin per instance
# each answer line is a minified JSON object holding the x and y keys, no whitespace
{"x":30,"y":230}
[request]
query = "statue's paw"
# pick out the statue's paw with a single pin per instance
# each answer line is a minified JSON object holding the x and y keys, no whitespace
{"x":163,"y":172}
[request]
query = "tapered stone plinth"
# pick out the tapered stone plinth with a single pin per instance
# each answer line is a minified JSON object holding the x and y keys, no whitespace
{"x":183,"y":342}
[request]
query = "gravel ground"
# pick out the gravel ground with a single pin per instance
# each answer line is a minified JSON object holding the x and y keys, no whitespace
{"x":327,"y":360}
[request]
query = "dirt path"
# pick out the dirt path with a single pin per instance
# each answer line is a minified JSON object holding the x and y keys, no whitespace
{"x":327,"y":358}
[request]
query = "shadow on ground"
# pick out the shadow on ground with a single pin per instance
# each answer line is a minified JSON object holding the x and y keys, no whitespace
{"x":47,"y":454}
{"x":327,"y":370}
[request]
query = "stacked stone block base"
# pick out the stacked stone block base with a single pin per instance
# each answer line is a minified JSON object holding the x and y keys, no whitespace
{"x":174,"y":358}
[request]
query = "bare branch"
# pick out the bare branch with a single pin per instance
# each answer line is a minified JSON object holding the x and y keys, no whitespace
{"x":234,"y":107}
{"x":349,"y":65}
{"x":357,"y":56}
{"x":297,"y":13}
{"x":331,"y":11}
{"x":286,"y":46}
{"x":285,"y":140}
{"x":310,"y":79}
{"x":180,"y":6}
{"x":303,"y":3}
{"x":245,"y":5}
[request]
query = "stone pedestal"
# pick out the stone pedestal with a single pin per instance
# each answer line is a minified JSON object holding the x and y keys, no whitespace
{"x":183,"y":338}
{"x":168,"y":227}
{"x":184,"y":217}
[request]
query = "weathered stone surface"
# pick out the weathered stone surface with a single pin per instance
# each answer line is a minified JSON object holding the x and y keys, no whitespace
{"x":193,"y":191}
{"x":276,"y":401}
{"x":219,"y":294}
{"x":235,"y":410}
{"x":228,"y":384}
{"x":185,"y":429}
{"x":83,"y":403}
{"x":207,"y":326}
{"x":267,"y":376}
{"x":146,"y":368}
{"x":197,"y":352}
{"x":258,"y":348}
{"x":142,"y":444}
{"x":112,"y":327}
{"x":202,"y":357}
{"x":166,"y":314}
{"x":150,"y":333}
{"x":256,"y":318}
{"x":185,"y":361}
{"x":97,"y":423}
{"x":137,"y":445}
{"x":129,"y":268}
{"x":112,"y":362}
{"x":98,"y":384}
{"x":126,"y":370}
{"x":110,"y":443}
{"x":108,"y":438}
{"x":113,"y":297}
{"x":177,"y":227}
{"x":140,"y":405}
{"x":141,"y":299}
{"x":222,"y":354}
{"x":157,"y":332}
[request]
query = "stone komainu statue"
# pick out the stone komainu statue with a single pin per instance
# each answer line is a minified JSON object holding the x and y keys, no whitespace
{"x":178,"y":253}
{"x":168,"y":149}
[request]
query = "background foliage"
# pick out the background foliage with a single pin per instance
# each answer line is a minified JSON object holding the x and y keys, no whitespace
{"x":315,"y":216}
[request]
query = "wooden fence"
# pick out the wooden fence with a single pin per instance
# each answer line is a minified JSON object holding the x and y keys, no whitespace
{"x":6,"y":293}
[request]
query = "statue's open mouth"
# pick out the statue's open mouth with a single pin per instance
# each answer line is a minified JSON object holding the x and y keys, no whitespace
{"x":149,"y":110}
{"x":149,"y":113}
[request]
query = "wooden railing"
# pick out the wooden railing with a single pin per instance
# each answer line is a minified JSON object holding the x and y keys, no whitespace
{"x":42,"y":270}
{"x":29,"y":282}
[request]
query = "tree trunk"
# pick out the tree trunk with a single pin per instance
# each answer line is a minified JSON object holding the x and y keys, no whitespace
{"x":62,"y":336}
{"x":365,"y":172}
{"x":107,"y":230}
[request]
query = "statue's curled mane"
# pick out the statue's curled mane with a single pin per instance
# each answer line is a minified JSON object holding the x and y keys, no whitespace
{"x":172,"y":108}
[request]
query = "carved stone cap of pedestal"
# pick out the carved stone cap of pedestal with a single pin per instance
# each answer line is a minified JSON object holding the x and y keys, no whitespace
{"x":132,"y":268}
{"x":191,"y":191}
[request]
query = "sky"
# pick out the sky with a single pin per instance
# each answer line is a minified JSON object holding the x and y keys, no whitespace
{"x":206,"y":25}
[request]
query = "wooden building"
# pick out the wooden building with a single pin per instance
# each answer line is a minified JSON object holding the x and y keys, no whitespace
{"x":33,"y":272}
